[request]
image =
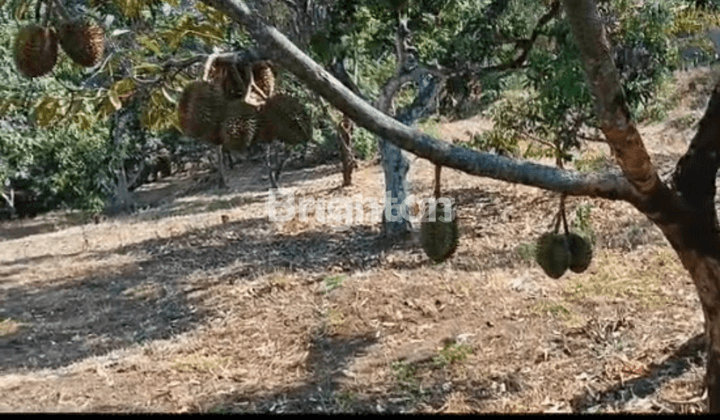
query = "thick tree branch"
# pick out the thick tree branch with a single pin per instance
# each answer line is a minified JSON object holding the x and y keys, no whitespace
{"x":502,"y":168}
{"x":695,"y":173}
{"x":337,"y":69}
{"x":611,"y":107}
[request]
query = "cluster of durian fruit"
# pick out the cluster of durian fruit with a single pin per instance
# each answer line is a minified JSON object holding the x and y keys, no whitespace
{"x":555,"y":253}
{"x":236,"y":105}
{"x":36,"y":45}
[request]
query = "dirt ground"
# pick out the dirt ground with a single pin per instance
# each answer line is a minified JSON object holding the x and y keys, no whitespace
{"x":200,"y":303}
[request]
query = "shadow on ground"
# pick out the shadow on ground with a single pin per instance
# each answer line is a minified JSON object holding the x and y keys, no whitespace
{"x":148,"y":299}
{"x":329,"y":358}
{"x":692,"y":352}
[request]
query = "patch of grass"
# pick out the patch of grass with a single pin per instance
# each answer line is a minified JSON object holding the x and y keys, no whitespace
{"x":664,"y":100}
{"x":684,"y":122}
{"x":552,"y":308}
{"x":219,"y":409}
{"x":526,"y":251}
{"x":615,"y":278}
{"x":199,"y":363}
{"x":406,"y":377}
{"x":345,"y":400}
{"x":144,"y":291}
{"x":559,"y":310}
{"x":334,"y":318}
{"x":452,"y":353}
{"x":333,"y":282}
{"x":431,"y":127}
{"x":364,"y":143}
{"x":590,"y":162}
{"x":635,"y":235}
{"x":280,"y":280}
{"x":241,"y":201}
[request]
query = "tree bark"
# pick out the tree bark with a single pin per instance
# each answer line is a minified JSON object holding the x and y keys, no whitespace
{"x":686,"y":213}
{"x":345,"y":131}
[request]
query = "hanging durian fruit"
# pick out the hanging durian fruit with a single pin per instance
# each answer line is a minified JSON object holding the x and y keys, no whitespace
{"x":228,"y":78}
{"x":580,"y":252}
{"x":552,"y":254}
{"x":555,"y":252}
{"x":201,"y":109}
{"x":35,"y":50}
{"x":283,"y":117}
{"x":239,"y":125}
{"x":264,"y":78}
{"x":82,"y":41}
{"x":439,"y":232}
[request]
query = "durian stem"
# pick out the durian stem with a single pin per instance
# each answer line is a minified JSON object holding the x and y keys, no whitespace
{"x":259,"y":91}
{"x":562,"y":213}
{"x":556,"y":222}
{"x":60,"y":9}
{"x":249,"y":77}
{"x":208,"y":65}
{"x":48,"y":13}
{"x":238,"y":78}
{"x":38,"y":5}
{"x":438,"y":169}
{"x":251,"y":83}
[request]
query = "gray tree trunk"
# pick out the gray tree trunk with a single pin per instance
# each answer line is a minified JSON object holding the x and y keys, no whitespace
{"x":396,"y":164}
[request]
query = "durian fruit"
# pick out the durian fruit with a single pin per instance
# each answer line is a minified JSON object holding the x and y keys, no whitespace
{"x":35,"y":50}
{"x":283,"y":117}
{"x":82,"y":41}
{"x":201,"y":109}
{"x":580,"y":252}
{"x":264,"y":77}
{"x":552,"y":254}
{"x":439,"y":235}
{"x":239,"y":125}
{"x":223,"y":76}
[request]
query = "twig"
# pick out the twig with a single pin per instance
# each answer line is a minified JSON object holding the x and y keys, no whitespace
{"x":208,"y":65}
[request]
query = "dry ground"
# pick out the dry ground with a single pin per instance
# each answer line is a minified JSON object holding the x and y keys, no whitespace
{"x":202,"y":304}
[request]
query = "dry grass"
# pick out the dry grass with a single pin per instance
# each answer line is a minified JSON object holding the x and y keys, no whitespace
{"x":201,"y":304}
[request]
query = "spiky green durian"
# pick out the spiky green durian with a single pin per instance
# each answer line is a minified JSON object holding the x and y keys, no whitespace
{"x":580,"y":252}
{"x":82,"y":41}
{"x":552,"y":254}
{"x":239,"y":125}
{"x":284,"y":118}
{"x":35,"y":50}
{"x":201,"y":109}
{"x":439,"y":233}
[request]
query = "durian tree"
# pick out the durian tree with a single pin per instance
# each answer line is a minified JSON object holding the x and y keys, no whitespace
{"x":440,"y":49}
{"x":683,"y":209}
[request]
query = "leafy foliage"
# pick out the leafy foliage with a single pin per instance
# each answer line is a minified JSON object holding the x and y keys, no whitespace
{"x":539,"y":105}
{"x":63,"y":167}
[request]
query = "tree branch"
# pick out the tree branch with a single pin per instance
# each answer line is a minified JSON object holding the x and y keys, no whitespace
{"x":526,"y":44}
{"x":611,"y":107}
{"x":694,"y":176}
